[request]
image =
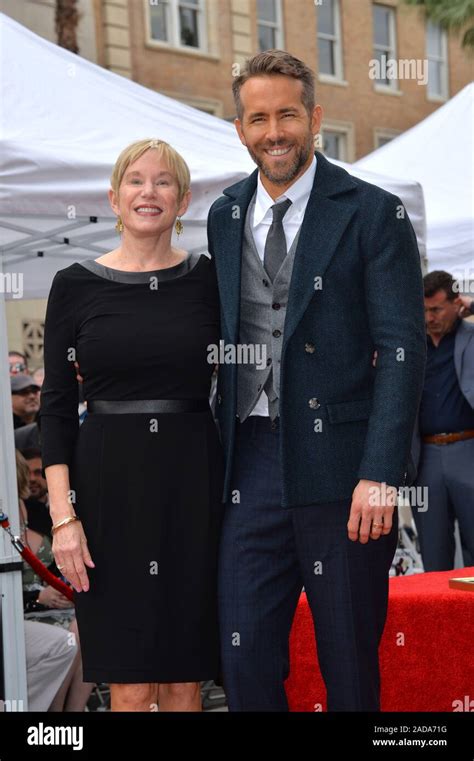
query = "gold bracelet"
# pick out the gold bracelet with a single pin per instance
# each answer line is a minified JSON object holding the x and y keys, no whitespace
{"x":64,"y":522}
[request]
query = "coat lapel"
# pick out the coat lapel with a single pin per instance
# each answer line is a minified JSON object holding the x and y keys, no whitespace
{"x":322,"y":228}
{"x":323,"y":225}
{"x":228,"y":225}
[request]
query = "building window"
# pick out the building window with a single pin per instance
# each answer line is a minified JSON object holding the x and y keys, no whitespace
{"x":329,"y":39}
{"x":383,"y":135}
{"x":178,"y":23}
{"x":269,"y":21}
{"x":437,"y":54}
{"x":335,"y":144}
{"x":385,"y":46}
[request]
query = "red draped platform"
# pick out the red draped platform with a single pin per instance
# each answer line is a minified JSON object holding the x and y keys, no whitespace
{"x":426,"y":654}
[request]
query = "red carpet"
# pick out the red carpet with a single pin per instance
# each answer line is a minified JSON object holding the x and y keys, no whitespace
{"x":430,"y":672}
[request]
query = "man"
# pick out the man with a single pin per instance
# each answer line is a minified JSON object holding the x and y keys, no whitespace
{"x":17,"y":363}
{"x":317,"y":442}
{"x":37,"y":504}
{"x":25,"y":399}
{"x":446,"y":426}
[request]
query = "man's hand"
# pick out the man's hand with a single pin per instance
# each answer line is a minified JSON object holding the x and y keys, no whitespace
{"x":51,"y":598}
{"x":465,"y":310}
{"x":371,"y":511}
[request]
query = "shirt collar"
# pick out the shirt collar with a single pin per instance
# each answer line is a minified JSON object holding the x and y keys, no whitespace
{"x":298,"y":193}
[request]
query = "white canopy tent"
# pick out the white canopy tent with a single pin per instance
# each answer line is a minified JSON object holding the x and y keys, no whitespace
{"x":64,"y":122}
{"x":438,"y":153}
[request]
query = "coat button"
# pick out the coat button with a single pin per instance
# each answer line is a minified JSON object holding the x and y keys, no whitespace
{"x":276,"y":306}
{"x":314,"y":403}
{"x":265,"y":282}
{"x":219,"y":399}
{"x":309,"y":348}
{"x":276,"y":333}
{"x":269,"y":361}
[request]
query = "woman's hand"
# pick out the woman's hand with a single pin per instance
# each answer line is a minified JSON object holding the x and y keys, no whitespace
{"x":72,"y":555}
{"x":79,"y":377}
{"x":51,"y":598}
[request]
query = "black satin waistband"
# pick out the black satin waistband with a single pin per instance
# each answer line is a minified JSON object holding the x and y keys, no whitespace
{"x":138,"y":406}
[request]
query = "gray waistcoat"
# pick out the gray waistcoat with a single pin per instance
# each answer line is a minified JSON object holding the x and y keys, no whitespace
{"x":261,"y":324}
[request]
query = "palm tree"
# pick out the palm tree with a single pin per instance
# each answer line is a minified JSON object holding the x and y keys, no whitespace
{"x":66,"y":19}
{"x":452,"y":15}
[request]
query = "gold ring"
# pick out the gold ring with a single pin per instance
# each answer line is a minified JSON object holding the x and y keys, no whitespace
{"x":377,"y":525}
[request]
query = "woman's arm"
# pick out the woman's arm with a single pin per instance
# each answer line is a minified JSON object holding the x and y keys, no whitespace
{"x":59,"y":393}
{"x":60,"y":505}
{"x":59,"y":429}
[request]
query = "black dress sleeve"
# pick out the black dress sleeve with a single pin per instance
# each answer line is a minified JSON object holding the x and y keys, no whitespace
{"x":59,"y":393}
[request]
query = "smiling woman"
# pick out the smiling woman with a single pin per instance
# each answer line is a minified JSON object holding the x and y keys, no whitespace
{"x":139,"y":544}
{"x":149,"y":189}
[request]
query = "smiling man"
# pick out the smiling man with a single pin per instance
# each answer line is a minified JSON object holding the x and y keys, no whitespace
{"x":322,"y":269}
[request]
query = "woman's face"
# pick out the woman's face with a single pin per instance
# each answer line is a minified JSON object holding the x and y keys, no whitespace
{"x":147,"y":200}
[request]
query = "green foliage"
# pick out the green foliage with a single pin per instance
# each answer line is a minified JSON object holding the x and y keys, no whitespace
{"x":452,"y":15}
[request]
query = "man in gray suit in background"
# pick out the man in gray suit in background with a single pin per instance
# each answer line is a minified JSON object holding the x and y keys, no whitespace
{"x":446,"y":426}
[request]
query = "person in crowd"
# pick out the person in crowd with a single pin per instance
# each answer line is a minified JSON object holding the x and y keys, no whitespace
{"x":38,"y":376}
{"x":444,"y":439}
{"x":17,"y":363}
{"x":25,"y":399}
{"x":28,"y":436}
{"x":53,"y":659}
{"x":37,"y":504}
{"x":135,"y":491}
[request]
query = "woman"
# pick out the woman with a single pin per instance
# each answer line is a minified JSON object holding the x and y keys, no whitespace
{"x":143,"y":473}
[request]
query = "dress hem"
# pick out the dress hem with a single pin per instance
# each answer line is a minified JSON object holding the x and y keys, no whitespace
{"x":129,"y":676}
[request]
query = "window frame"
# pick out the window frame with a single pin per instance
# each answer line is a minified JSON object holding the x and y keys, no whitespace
{"x":384,"y":133}
{"x":441,"y":59}
{"x":277,"y":25}
{"x":392,"y":85}
{"x":345,"y":129}
{"x":338,"y":75}
{"x":174,"y":43}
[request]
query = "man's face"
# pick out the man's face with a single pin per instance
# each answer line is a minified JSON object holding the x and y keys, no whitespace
{"x":38,"y":485}
{"x":26,"y":402}
{"x":276,"y":128}
{"x":440,"y":313}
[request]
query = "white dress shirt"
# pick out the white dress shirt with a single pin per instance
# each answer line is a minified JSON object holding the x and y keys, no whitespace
{"x":298,"y":193}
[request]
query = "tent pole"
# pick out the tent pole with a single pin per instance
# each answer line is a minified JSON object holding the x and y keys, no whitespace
{"x":12,"y":622}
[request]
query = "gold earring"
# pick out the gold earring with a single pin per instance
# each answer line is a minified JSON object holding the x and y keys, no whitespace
{"x":178,"y":226}
{"x":119,"y":225}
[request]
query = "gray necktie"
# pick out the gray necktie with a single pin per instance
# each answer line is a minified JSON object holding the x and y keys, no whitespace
{"x":275,"y":244}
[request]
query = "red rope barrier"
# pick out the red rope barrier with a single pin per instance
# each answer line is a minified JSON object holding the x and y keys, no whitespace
{"x":35,"y":562}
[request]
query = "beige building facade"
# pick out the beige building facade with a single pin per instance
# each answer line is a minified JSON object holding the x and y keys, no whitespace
{"x":380,"y":67}
{"x":190,"y":50}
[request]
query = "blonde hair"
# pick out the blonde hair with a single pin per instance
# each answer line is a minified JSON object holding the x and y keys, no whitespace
{"x":22,"y":476}
{"x":174,"y":161}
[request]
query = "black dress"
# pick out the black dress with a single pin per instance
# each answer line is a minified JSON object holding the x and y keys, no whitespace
{"x":147,"y":487}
